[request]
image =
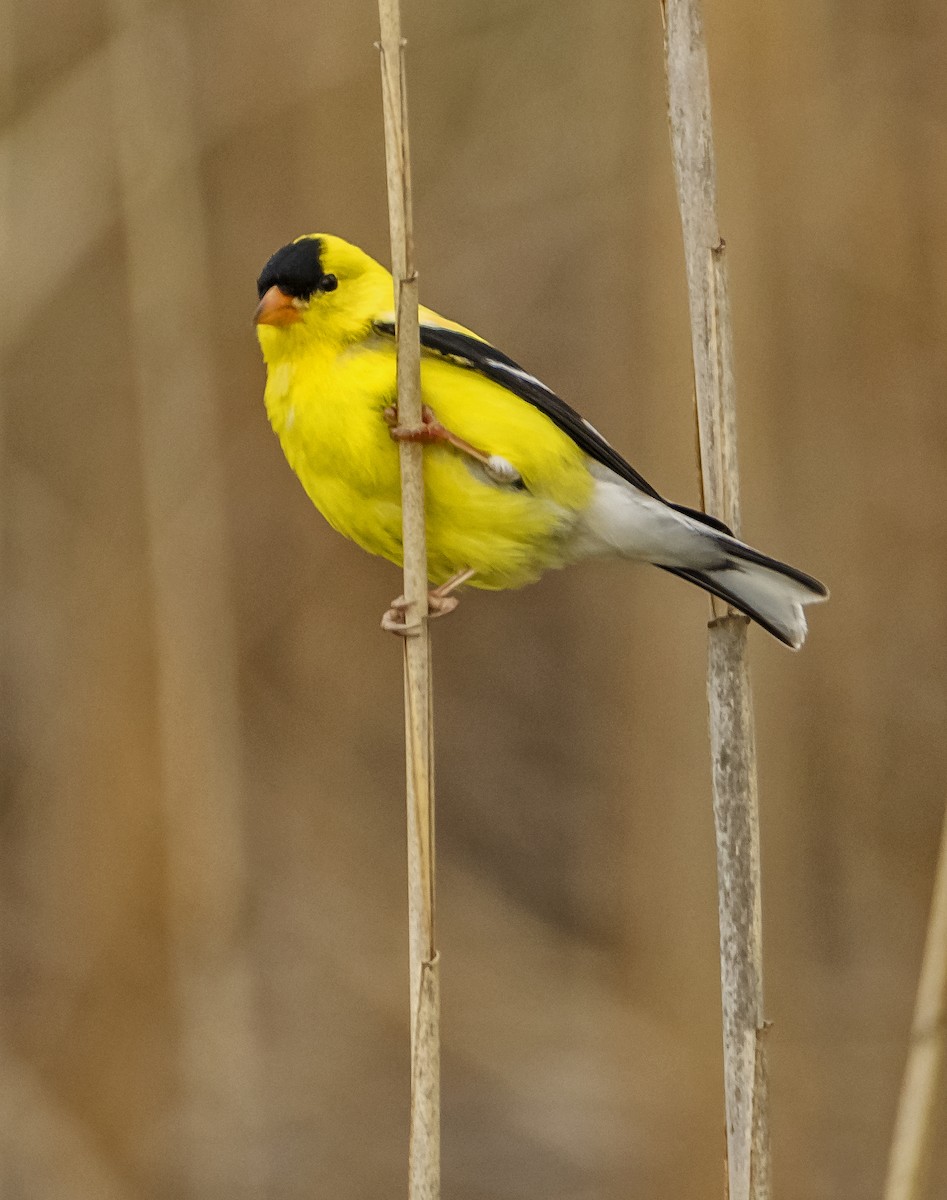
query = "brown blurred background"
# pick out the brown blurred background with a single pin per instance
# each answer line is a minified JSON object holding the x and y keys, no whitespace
{"x":203,"y":938}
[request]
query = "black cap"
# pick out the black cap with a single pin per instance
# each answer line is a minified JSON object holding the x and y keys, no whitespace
{"x":295,"y":269}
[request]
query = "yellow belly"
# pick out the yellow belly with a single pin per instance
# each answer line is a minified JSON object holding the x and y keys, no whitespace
{"x":328,"y":415}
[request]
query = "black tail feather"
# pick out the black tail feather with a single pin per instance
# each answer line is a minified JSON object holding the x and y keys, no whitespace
{"x":713,"y":586}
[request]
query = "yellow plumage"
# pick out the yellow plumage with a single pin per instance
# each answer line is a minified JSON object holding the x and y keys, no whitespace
{"x":331,"y":376}
{"x":517,"y":481}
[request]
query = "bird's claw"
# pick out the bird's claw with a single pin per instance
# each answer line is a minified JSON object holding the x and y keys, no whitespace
{"x":429,"y":431}
{"x":440,"y":602}
{"x":395,"y":619}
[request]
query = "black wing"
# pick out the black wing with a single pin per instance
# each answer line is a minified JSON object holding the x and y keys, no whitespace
{"x":478,"y":356}
{"x":483,"y":358}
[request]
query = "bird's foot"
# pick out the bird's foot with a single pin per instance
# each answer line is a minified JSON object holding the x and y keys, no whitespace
{"x":427,"y":433}
{"x":431,"y":431}
{"x":395,"y":619}
{"x":440,"y":602}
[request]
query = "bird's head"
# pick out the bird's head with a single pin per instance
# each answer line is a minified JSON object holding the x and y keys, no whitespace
{"x":318,"y":291}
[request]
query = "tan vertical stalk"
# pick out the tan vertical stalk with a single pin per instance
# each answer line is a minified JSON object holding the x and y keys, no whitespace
{"x":424,"y":1145}
{"x":736,"y":814}
{"x":917,"y":1108}
{"x":171,"y":306}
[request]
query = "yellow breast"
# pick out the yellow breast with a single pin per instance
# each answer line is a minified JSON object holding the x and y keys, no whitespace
{"x":327,"y":410}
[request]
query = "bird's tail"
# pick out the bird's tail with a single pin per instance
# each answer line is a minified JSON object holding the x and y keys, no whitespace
{"x":769,"y":591}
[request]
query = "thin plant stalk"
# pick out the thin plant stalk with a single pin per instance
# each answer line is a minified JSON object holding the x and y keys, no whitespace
{"x":923,"y":1074}
{"x":424,"y":1136}
{"x":735,"y":801}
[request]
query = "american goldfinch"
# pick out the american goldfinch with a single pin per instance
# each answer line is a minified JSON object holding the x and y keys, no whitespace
{"x":516,"y":482}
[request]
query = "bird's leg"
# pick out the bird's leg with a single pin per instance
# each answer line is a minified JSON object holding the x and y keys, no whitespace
{"x":446,"y":590}
{"x":431,"y":431}
{"x":440,"y":602}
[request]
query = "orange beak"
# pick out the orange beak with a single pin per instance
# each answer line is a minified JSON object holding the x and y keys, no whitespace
{"x":276,"y":308}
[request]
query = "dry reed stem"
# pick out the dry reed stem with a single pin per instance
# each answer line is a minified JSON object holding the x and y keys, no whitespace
{"x":424,"y":1138}
{"x":736,"y":814}
{"x":917,"y":1108}
{"x":201,"y":783}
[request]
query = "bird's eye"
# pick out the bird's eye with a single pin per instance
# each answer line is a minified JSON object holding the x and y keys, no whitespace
{"x":328,"y":283}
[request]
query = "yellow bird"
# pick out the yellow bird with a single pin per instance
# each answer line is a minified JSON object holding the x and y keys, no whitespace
{"x":516,"y":482}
